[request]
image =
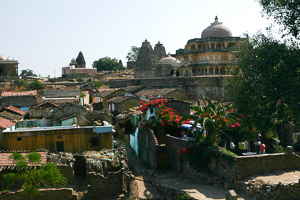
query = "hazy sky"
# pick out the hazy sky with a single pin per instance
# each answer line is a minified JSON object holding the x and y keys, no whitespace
{"x":45,"y":35}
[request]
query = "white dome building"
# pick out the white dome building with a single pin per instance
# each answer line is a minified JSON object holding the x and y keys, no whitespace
{"x":211,"y":54}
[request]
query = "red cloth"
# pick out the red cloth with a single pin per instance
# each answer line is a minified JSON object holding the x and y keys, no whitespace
{"x":262,"y":147}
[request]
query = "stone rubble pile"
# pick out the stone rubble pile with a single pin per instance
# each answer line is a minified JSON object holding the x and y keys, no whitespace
{"x":263,"y":191}
{"x":61,"y":158}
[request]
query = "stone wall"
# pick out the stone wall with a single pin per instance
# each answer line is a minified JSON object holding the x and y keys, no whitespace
{"x":174,"y":144}
{"x":45,"y":194}
{"x":196,"y":86}
{"x":147,"y":146}
{"x":262,"y":191}
{"x":106,"y":187}
{"x":24,"y":101}
{"x":246,"y":166}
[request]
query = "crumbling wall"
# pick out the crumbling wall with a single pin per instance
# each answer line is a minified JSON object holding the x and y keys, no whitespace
{"x":45,"y":194}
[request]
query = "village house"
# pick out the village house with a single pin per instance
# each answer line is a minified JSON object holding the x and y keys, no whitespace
{"x":75,"y":120}
{"x":43,"y":112}
{"x":180,"y":107}
{"x":121,"y":104}
{"x":22,"y":100}
{"x":131,"y":90}
{"x":61,"y":96}
{"x":5,"y":124}
{"x":100,"y":96}
{"x":173,"y":93}
{"x":67,"y":110}
{"x":12,"y":113}
{"x":58,"y":139}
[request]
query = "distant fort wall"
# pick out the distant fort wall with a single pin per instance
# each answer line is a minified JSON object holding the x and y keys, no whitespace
{"x":211,"y":86}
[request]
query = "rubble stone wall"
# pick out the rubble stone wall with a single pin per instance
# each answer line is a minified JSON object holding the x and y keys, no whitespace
{"x":246,"y":166}
{"x":265,"y":191}
{"x":45,"y":194}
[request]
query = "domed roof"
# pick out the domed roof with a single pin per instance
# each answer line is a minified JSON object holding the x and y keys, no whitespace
{"x":176,"y":64}
{"x":216,"y":29}
{"x":1,"y":58}
{"x":167,"y":60}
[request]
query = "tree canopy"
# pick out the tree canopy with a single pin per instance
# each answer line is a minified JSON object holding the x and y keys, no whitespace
{"x":285,"y":13}
{"x":265,"y":87}
{"x":107,"y":64}
{"x":36,"y":85}
{"x":132,"y":54}
{"x":27,"y":73}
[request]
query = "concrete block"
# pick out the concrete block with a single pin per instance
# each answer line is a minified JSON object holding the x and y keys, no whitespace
{"x":231,"y":195}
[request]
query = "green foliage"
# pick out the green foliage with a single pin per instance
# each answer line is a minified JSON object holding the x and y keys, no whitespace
{"x":265,"y":85}
{"x":32,"y":180}
{"x":184,"y":196}
{"x":107,"y":64}
{"x":278,"y":149}
{"x":27,"y":73}
{"x":285,"y":13}
{"x":215,"y":118}
{"x":18,"y":83}
{"x":201,"y":153}
{"x":36,"y":85}
{"x":133,"y":54}
{"x":96,"y":84}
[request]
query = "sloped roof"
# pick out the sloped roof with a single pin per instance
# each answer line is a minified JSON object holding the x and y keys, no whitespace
{"x":106,"y":92}
{"x":15,"y":110}
{"x":134,"y":88}
{"x":12,"y":93}
{"x":11,"y":116}
{"x":61,"y":93}
{"x":155,"y":92}
{"x":44,"y":103}
{"x":119,"y":99}
{"x":5,"y":123}
{"x":6,"y":160}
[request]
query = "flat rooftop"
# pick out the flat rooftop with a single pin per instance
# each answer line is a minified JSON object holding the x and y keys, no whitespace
{"x":97,"y":129}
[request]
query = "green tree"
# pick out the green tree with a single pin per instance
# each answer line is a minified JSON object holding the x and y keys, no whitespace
{"x":133,"y":54}
{"x":27,"y":73}
{"x":107,"y":64}
{"x":36,"y":85}
{"x":96,"y":84}
{"x":285,"y":13}
{"x":265,"y":87}
{"x":18,"y":83}
{"x":33,"y":179}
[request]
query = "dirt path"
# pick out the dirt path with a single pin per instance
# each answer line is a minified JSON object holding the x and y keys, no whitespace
{"x":141,"y":186}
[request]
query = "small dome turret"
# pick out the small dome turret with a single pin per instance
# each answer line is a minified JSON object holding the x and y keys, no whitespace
{"x":169,"y":60}
{"x":216,"y":29}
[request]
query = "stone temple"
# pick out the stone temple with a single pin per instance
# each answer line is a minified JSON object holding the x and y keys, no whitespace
{"x":199,"y":69}
{"x":154,"y":63}
{"x":212,"y":54}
